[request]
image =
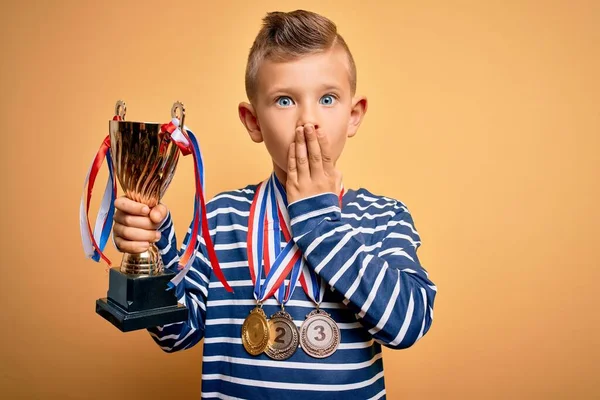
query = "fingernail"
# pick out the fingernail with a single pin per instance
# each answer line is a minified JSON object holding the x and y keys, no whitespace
{"x":309,"y":129}
{"x":145,"y":210}
{"x":157,"y":235}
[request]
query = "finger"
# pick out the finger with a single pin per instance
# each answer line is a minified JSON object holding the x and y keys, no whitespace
{"x":133,"y":221}
{"x":131,"y":207}
{"x":126,"y":246}
{"x":292,"y":169}
{"x":314,"y":150}
{"x":135,"y":234}
{"x":158,"y":214}
{"x":326,"y":157}
{"x":301,"y":155}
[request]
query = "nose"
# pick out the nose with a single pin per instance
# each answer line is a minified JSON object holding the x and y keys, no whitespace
{"x":307,"y":115}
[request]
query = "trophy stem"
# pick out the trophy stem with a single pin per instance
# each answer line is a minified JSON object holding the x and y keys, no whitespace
{"x":146,"y":263}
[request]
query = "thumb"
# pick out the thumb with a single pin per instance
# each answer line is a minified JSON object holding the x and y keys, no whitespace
{"x":158,"y":213}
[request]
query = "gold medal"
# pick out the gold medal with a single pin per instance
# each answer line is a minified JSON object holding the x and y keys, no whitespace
{"x":255,"y":331}
{"x":319,"y":334}
{"x":283,"y":336}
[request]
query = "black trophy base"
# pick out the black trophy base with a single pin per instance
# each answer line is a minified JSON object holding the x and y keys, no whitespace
{"x":138,"y":302}
{"x":131,"y":321}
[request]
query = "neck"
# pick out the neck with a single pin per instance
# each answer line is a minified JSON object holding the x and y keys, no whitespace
{"x":280,"y":174}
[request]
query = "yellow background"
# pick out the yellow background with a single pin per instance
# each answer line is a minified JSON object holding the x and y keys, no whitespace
{"x":484,"y":119}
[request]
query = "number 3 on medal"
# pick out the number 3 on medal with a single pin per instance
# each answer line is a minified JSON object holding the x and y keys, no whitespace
{"x":321,"y":332}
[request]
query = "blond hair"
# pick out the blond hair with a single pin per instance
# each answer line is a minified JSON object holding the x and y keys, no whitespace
{"x":286,"y":36}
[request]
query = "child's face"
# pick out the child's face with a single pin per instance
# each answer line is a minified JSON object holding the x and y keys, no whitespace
{"x":312,"y":89}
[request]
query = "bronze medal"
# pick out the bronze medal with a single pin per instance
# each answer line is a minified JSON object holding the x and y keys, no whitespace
{"x":283,"y":336}
{"x":255,"y":332}
{"x":319,"y":334}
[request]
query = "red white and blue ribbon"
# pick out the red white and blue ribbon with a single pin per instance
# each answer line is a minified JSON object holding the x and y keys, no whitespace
{"x":187,"y":142}
{"x":275,"y":220}
{"x":309,"y":280}
{"x":94,"y":243}
{"x":268,"y":219}
{"x":264,"y":247}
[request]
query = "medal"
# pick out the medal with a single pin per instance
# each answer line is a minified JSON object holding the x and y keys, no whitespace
{"x":283,"y":336}
{"x":319,"y":334}
{"x":255,"y":331}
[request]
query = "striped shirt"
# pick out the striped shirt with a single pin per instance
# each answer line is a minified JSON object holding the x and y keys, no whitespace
{"x":378,"y":293}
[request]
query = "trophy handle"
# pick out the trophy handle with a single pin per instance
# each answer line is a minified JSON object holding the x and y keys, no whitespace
{"x":121,"y":109}
{"x":178,"y":106}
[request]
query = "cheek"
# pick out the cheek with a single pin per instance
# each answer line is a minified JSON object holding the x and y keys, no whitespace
{"x":277,"y":139}
{"x":277,"y":146}
{"x":338,"y":145}
{"x":277,"y":135}
{"x":337,"y":133}
{"x":276,"y":123}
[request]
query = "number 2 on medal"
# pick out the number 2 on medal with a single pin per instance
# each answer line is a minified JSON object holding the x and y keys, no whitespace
{"x":321,"y":332}
{"x":279,"y":338}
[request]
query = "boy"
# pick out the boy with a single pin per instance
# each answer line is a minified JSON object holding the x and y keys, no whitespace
{"x":357,"y":283}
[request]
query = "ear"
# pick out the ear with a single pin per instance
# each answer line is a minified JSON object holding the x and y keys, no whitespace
{"x":358,"y":111}
{"x":248,"y":117}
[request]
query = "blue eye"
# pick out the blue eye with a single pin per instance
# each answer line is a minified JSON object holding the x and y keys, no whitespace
{"x":284,"y":101}
{"x":328,"y":100}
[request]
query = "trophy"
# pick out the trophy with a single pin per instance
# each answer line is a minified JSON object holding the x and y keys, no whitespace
{"x":144,"y":159}
{"x":143,"y":156}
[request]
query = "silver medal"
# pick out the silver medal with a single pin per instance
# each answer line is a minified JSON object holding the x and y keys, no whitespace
{"x":283,"y":336}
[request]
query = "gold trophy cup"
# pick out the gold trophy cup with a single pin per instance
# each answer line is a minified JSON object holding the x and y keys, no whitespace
{"x":144,"y":160}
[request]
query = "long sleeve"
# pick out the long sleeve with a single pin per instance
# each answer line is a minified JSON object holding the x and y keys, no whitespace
{"x":383,"y":282}
{"x":183,"y":335}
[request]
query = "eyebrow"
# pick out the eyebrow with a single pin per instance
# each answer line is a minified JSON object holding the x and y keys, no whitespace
{"x":287,"y":89}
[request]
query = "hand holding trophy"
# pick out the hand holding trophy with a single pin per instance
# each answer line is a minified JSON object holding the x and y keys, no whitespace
{"x":143,"y":157}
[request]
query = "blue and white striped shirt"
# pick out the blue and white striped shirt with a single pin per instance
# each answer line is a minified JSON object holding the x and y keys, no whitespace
{"x":380,"y":295}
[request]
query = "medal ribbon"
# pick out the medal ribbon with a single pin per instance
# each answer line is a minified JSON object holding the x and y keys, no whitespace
{"x":264,"y":247}
{"x":310,"y":281}
{"x":268,"y":218}
{"x":273,"y":245}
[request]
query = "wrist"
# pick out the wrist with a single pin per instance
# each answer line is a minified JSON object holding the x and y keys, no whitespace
{"x":307,"y":213}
